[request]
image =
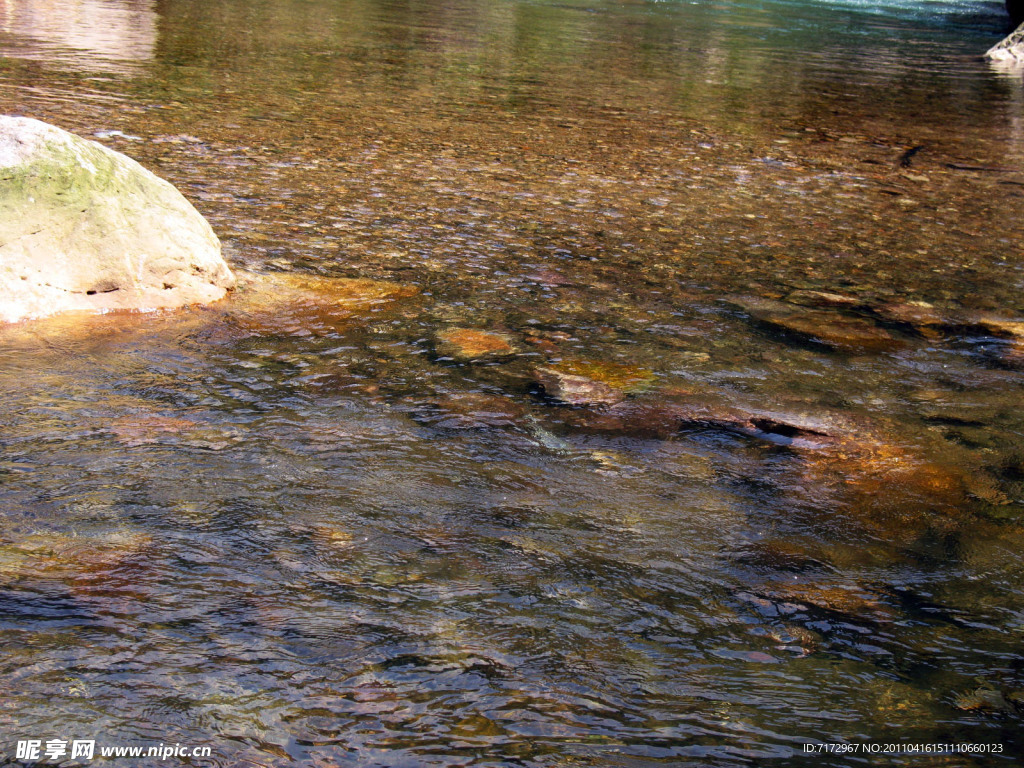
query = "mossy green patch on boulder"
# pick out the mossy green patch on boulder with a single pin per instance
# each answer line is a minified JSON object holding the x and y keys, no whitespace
{"x":85,"y":228}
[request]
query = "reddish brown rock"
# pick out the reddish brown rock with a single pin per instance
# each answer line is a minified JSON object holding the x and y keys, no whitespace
{"x":472,"y":344}
{"x":884,"y":489}
{"x":659,"y":417}
{"x":861,"y":481}
{"x":1002,"y":327}
{"x":845,"y":333}
{"x":848,"y":334}
{"x":309,"y":305}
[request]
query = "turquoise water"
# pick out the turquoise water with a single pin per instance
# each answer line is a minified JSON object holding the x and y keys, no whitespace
{"x":784,"y":236}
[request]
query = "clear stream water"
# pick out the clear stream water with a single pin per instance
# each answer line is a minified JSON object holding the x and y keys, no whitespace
{"x":311,"y":539}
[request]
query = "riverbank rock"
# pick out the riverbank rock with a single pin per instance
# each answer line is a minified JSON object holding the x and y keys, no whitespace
{"x":85,"y":228}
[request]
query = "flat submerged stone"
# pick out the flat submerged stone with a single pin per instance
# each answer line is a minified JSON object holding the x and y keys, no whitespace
{"x":309,"y":305}
{"x":472,"y":344}
{"x":844,"y":333}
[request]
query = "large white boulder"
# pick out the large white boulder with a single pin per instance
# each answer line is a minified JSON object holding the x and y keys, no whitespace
{"x":1009,"y":52}
{"x":85,"y":228}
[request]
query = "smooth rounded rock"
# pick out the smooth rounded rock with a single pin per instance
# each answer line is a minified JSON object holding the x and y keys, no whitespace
{"x":85,"y":228}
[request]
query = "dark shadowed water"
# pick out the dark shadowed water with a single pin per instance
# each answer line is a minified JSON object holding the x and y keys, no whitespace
{"x":782,"y":242}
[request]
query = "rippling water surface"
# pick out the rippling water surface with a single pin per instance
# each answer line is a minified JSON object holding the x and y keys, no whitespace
{"x":778,"y":244}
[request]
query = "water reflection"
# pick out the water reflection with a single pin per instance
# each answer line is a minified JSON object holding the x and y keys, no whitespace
{"x":91,"y":35}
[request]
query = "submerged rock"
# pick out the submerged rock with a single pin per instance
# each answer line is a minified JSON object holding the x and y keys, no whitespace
{"x":920,"y":316}
{"x":85,"y":228}
{"x":146,"y":429}
{"x":850,"y":600}
{"x":847,"y":334}
{"x":809,"y":298}
{"x":784,"y":555}
{"x":841,"y":332}
{"x":469,"y":410}
{"x":860,"y":470}
{"x":309,"y":305}
{"x":849,"y":475}
{"x":158,"y":429}
{"x":889,"y":491}
{"x":999,"y":326}
{"x":1009,"y":331}
{"x":578,"y":382}
{"x":660,"y":418}
{"x":989,"y":698}
{"x":473,"y":345}
{"x":70,"y":556}
{"x":571,"y":389}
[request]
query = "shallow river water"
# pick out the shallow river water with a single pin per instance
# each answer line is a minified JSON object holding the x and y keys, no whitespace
{"x":736,"y":465}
